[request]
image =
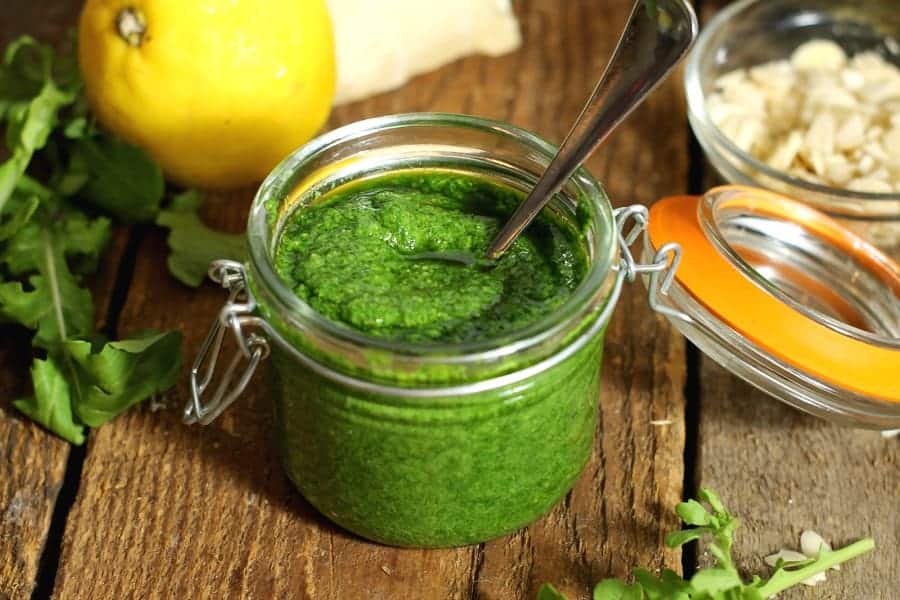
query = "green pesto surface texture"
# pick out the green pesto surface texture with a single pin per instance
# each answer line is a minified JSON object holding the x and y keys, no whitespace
{"x":377,"y":256}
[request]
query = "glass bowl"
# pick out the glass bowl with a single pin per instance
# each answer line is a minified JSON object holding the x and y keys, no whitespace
{"x":751,"y":32}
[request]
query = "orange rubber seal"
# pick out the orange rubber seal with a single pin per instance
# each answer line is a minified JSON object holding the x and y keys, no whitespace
{"x":772,"y":325}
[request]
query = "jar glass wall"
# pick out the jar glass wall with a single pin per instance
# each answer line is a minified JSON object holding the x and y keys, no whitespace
{"x":433,"y":444}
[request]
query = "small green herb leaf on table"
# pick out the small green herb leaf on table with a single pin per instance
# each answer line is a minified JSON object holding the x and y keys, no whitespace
{"x":114,"y":376}
{"x":51,"y":404}
{"x":192,"y":244}
{"x":119,"y":178}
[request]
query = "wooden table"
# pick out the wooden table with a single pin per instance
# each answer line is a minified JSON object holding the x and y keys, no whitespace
{"x":150,"y":508}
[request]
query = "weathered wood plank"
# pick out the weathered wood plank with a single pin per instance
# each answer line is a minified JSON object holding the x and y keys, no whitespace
{"x":782,"y":472}
{"x":171,"y":510}
{"x":32,"y":464}
{"x":32,"y":461}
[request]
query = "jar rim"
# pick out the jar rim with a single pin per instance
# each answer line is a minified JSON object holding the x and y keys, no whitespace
{"x":596,"y":282}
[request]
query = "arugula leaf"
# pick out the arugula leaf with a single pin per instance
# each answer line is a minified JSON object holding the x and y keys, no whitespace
{"x":683,"y":536}
{"x":21,"y":212}
{"x":192,"y":244}
{"x":29,"y":128}
{"x":118,"y":178}
{"x":669,"y":586}
{"x":51,"y":405}
{"x":613,"y":589}
{"x":692,"y":513}
{"x":716,"y":580}
{"x":54,"y":305}
{"x":548,"y":592}
{"x":78,"y":237}
{"x":23,"y":71}
{"x":187,"y":201}
{"x":117,"y":375}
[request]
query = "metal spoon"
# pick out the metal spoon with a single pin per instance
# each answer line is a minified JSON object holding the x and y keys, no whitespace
{"x":657,"y":36}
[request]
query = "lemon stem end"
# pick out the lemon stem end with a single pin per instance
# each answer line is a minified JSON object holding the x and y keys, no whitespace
{"x":132,"y":25}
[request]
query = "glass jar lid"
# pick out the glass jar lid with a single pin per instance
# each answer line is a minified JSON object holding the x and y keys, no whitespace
{"x":788,"y":299}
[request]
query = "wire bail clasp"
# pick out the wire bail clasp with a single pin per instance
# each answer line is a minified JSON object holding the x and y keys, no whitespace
{"x":236,"y":315}
{"x":665,"y":262}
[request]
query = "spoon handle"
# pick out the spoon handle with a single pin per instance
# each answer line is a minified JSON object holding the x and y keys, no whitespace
{"x":657,"y":36}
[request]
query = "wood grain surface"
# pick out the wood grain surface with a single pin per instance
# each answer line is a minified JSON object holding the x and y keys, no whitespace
{"x":164,"y":510}
{"x":208,"y":512}
{"x":783,"y":471}
{"x":32,"y":465}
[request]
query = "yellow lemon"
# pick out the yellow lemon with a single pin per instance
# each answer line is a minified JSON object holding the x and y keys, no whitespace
{"x":216,"y":91}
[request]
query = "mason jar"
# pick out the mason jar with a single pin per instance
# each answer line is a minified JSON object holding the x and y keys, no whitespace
{"x":413,"y":444}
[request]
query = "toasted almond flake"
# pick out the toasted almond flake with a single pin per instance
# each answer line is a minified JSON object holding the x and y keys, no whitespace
{"x":819,"y":55}
{"x":852,"y":79}
{"x":891,"y":142}
{"x":838,"y":170}
{"x":815,"y":579}
{"x":875,"y":150}
{"x":866,"y":164}
{"x":874,"y":133}
{"x":846,"y":112}
{"x":869,"y":185}
{"x":784,"y":155}
{"x":731,"y":78}
{"x":811,"y":543}
{"x":890,"y":433}
{"x":788,"y":556}
{"x":851,"y":134}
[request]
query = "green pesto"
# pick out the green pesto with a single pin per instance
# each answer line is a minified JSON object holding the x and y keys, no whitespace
{"x":450,"y":469}
{"x":355,"y":257}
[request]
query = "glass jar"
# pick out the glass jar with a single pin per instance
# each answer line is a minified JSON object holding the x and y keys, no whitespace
{"x":427,"y":444}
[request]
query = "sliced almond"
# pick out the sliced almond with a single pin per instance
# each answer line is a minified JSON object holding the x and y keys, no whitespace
{"x":788,"y":556}
{"x":819,"y":55}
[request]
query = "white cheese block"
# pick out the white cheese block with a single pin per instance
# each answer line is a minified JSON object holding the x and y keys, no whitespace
{"x":381,"y":44}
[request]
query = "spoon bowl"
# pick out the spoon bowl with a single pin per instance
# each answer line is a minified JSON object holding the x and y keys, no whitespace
{"x":460,"y":257}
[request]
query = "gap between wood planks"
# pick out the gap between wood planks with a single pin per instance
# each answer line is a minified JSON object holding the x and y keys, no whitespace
{"x":49,"y":561}
{"x":692,"y":386}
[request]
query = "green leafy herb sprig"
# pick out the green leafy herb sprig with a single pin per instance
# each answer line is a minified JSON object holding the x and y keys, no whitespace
{"x":722,"y":581}
{"x":62,"y":183}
